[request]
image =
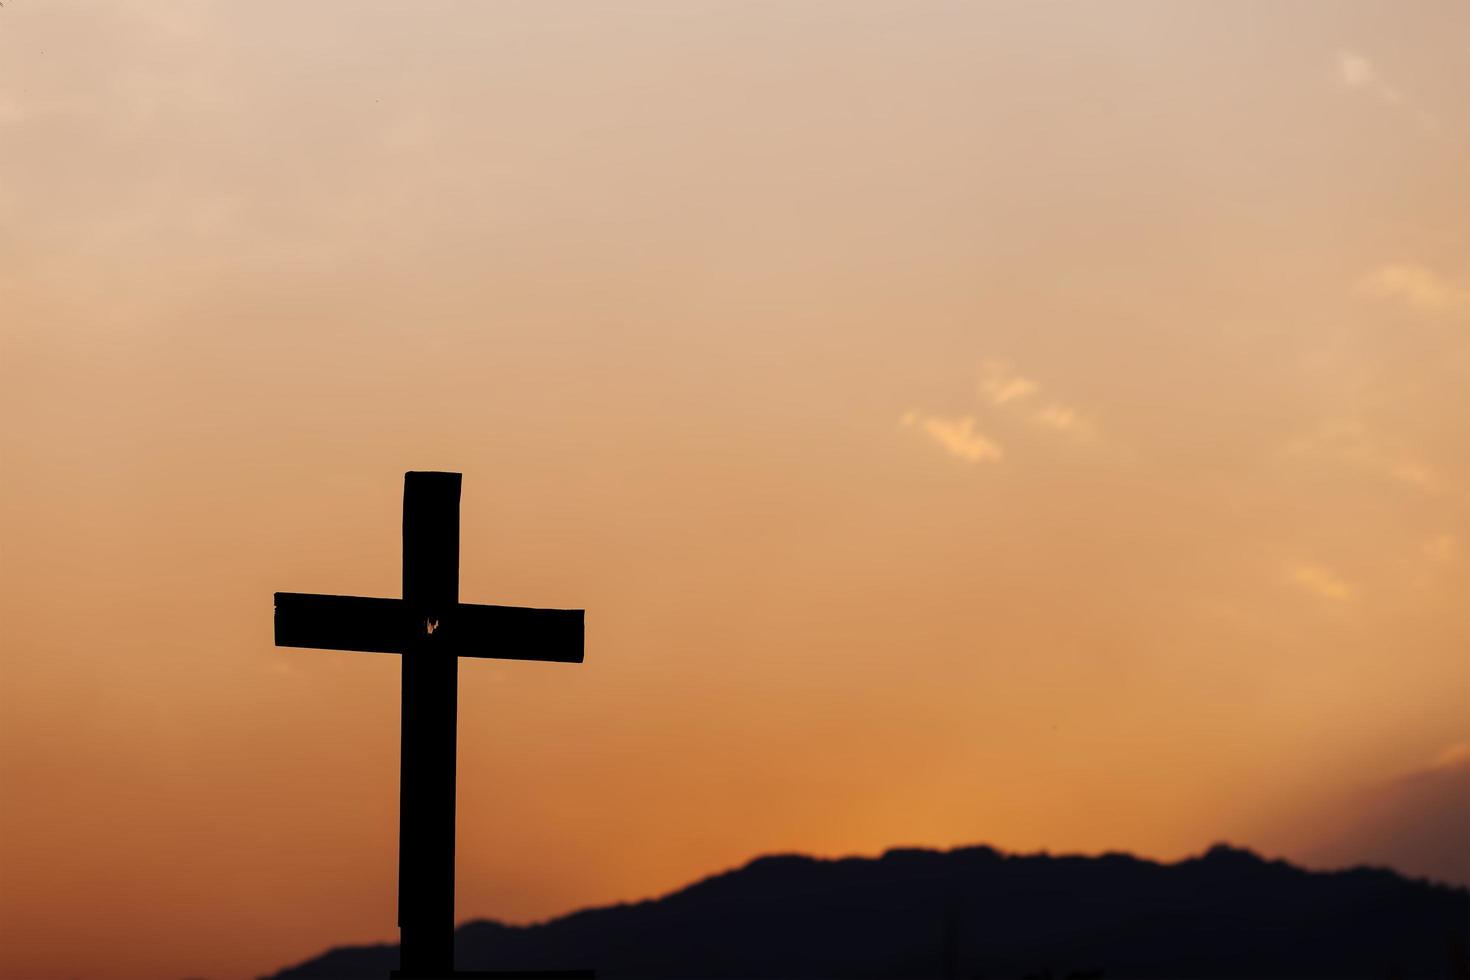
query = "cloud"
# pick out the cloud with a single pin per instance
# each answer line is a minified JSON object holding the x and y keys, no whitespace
{"x":957,"y":435}
{"x":1061,"y":418}
{"x":1003,"y":387}
{"x":1000,"y":384}
{"x":1452,"y":757}
{"x":1420,"y":289}
{"x":1006,"y":391}
{"x":1357,"y":73}
{"x":1319,"y":580}
{"x":1351,"y":442}
{"x":1440,"y":549}
{"x":1416,"y":473}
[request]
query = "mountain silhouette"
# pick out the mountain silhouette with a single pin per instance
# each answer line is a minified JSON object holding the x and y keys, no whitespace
{"x":974,"y":912}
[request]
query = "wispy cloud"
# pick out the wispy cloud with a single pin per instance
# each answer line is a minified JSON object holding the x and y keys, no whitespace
{"x":1417,"y":287}
{"x":1003,"y":391}
{"x":1440,"y":549}
{"x":1319,"y":580}
{"x":1061,"y":418}
{"x":1351,"y":442}
{"x":958,"y":436}
{"x":1357,"y":73}
{"x":1452,"y":757}
{"x":1005,"y":388}
{"x":1000,"y":384}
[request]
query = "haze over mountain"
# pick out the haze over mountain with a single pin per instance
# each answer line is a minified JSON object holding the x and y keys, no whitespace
{"x":1418,"y":823}
{"x":974,"y":912}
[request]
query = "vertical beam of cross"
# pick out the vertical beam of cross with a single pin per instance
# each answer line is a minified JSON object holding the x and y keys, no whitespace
{"x":430,"y":713}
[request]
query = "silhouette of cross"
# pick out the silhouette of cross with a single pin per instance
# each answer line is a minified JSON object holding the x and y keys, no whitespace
{"x":432,"y":629}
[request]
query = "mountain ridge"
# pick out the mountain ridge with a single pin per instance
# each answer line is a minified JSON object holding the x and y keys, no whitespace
{"x":977,"y":912}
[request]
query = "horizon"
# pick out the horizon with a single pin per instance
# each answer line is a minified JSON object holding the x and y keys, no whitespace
{"x":1037,"y":423}
{"x":902,"y":849}
{"x":734,"y":890}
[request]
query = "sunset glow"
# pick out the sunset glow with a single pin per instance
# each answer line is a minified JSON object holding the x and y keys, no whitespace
{"x":1032,"y":424}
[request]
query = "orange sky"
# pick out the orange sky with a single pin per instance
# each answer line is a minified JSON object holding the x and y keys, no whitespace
{"x":1037,"y":424}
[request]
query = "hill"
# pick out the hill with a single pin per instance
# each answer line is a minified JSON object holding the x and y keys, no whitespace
{"x":974,"y":912}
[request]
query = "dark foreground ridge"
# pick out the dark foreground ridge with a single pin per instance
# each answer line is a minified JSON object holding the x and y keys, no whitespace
{"x":973,"y":912}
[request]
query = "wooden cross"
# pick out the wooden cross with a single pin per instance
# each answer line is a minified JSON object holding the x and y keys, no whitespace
{"x":432,"y":629}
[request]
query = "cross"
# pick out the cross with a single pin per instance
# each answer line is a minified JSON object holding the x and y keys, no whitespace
{"x":431,"y":629}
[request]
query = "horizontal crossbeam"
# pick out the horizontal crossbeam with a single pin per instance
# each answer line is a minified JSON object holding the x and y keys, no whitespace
{"x":341,"y":622}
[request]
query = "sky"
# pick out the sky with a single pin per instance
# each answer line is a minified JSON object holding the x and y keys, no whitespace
{"x":1035,"y":424}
